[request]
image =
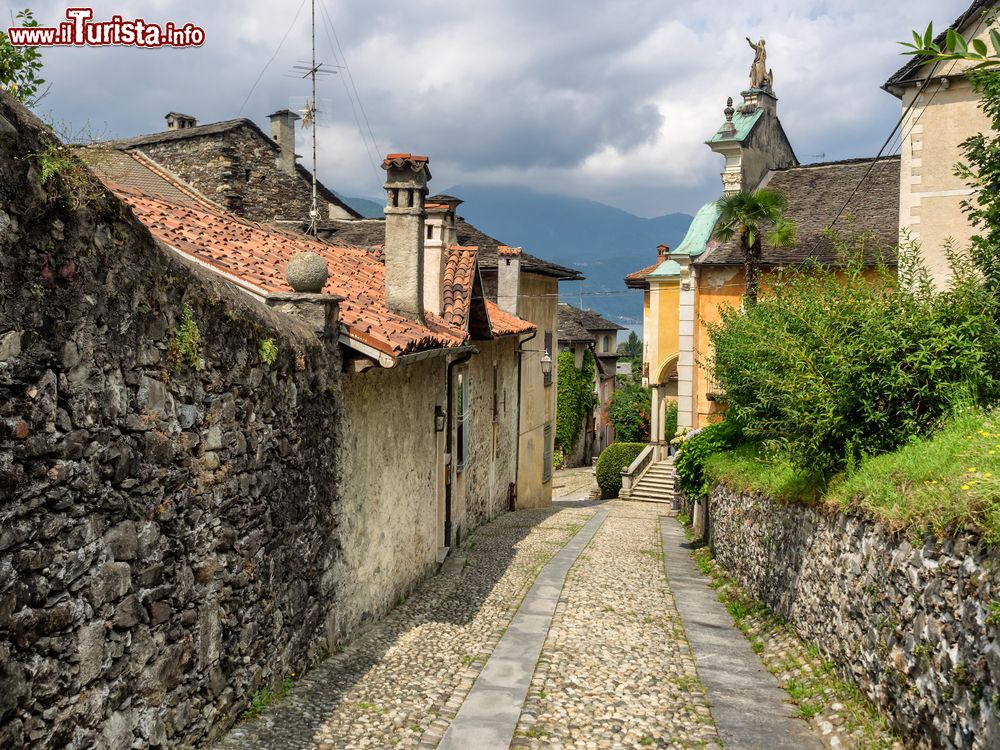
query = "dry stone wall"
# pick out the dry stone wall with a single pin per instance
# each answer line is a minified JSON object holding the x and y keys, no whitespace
{"x":914,"y":624}
{"x":168,"y":518}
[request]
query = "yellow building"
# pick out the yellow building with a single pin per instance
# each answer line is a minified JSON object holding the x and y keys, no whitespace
{"x":940,"y":111}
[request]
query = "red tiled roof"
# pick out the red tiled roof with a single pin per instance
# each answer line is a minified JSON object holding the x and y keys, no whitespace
{"x":637,"y":279}
{"x":508,"y":252}
{"x":258,"y":254}
{"x":505,"y":324}
{"x":459,"y":270}
{"x":399,"y":160}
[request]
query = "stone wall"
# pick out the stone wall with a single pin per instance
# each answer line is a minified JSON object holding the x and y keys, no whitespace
{"x":168,"y":517}
{"x":910,"y":622}
{"x":237,"y":168}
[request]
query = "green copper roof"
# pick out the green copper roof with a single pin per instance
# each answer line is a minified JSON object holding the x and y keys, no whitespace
{"x":700,"y":231}
{"x":666,"y":268}
{"x":743,"y":123}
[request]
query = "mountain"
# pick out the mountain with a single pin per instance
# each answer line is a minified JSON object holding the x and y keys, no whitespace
{"x":370,"y":209}
{"x":602,"y":242}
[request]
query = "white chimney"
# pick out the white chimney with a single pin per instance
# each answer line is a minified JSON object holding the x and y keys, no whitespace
{"x":439,"y":233}
{"x":178,"y":121}
{"x":508,"y":278}
{"x":405,"y":189}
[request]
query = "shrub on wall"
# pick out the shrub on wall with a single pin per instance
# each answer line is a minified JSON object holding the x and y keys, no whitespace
{"x":831,"y":368}
{"x":697,"y":446}
{"x":574,"y":398}
{"x":615,"y":457}
{"x":631,"y":406}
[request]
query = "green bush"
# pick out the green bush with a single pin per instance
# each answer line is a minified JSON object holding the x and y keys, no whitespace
{"x":615,"y":457}
{"x":830,"y":368}
{"x":631,"y":406}
{"x":689,"y":463}
{"x":670,"y":420}
{"x":574,"y":398}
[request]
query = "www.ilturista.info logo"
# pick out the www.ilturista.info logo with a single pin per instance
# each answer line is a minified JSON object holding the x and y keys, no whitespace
{"x":80,"y":31}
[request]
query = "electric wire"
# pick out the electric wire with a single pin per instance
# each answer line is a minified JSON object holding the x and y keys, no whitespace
{"x":271,"y":60}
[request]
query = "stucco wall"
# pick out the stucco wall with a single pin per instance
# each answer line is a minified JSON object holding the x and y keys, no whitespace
{"x":716,"y":287}
{"x":908,"y":621}
{"x":944,"y":115}
{"x":538,"y":304}
{"x":390,"y":463}
{"x":665,"y":296}
{"x":482,"y":486}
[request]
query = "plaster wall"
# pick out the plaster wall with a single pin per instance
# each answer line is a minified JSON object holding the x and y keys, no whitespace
{"x":538,"y":304}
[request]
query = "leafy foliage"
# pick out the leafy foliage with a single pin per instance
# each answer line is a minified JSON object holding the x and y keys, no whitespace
{"x":670,"y":419}
{"x":20,"y":66}
{"x":982,"y":171}
{"x":608,"y":471}
{"x":830,"y":368}
{"x":630,"y":410}
{"x":185,"y":345}
{"x":755,"y":218}
{"x":267,"y":351}
{"x":689,"y":464}
{"x":575,"y":397}
{"x":956,"y":47}
{"x":631,"y":347}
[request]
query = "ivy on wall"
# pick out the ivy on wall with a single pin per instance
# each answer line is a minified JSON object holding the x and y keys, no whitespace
{"x":575,"y":397}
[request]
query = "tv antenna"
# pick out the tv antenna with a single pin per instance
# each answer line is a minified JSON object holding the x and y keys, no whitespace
{"x":312,"y":70}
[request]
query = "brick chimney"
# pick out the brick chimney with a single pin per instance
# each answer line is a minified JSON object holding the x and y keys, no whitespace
{"x":508,"y":278}
{"x":283,"y":133}
{"x":662,"y":252}
{"x":178,"y":121}
{"x":405,"y":189}
{"x":439,"y":233}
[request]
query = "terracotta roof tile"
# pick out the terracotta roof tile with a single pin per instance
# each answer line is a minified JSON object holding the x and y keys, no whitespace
{"x":256,"y":255}
{"x":459,"y":271}
{"x":508,"y":252}
{"x":637,"y":279}
{"x":505,"y":324}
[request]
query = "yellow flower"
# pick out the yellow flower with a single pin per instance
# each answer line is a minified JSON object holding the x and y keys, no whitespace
{"x":993,"y":453}
{"x":966,"y":487}
{"x":972,"y":469}
{"x":988,"y":474}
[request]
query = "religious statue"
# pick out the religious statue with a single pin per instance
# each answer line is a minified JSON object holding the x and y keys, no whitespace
{"x":760,"y":76}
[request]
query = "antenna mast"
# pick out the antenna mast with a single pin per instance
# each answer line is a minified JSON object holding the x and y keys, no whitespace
{"x":314,"y":210}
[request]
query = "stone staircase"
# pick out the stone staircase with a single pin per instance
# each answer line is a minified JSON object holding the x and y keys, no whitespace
{"x":657,"y":484}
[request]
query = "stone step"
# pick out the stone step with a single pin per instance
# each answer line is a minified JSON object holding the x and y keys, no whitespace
{"x":655,"y":483}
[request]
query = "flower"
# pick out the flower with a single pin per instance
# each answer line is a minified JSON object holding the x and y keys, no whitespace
{"x":966,"y":487}
{"x":972,"y":469}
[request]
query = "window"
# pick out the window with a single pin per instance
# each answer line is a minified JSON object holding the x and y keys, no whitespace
{"x":547,"y":460}
{"x":430,"y":231}
{"x":462,"y":436}
{"x":547,"y":379}
{"x":607,"y":343}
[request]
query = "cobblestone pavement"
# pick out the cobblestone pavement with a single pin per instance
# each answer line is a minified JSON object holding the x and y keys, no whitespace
{"x":616,"y":670}
{"x":400,"y":683}
{"x":574,"y":482}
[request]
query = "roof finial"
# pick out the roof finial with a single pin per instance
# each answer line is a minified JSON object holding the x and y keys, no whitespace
{"x":729,"y":111}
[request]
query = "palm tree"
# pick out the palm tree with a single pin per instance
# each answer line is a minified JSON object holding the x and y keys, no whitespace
{"x":754,"y":217}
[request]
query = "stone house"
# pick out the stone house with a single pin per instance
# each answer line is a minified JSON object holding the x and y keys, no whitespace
{"x":428,"y":376}
{"x":603,"y":343}
{"x":520,"y":284}
{"x":685,"y":289}
{"x":940,"y":111}
{"x":235,"y":165}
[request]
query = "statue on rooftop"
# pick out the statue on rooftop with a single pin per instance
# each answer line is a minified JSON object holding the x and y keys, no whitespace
{"x":760,"y":76}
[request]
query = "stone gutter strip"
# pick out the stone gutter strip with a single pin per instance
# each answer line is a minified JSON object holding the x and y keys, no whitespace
{"x":750,"y":710}
{"x":489,"y":715}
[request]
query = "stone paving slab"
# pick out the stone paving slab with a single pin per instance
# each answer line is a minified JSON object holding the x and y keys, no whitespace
{"x":616,"y":671}
{"x":750,"y":710}
{"x":489,"y":715}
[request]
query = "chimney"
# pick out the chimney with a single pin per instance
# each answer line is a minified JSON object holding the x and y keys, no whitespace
{"x":508,"y":278}
{"x":405,"y":189}
{"x":662,"y":252}
{"x":283,"y":133}
{"x":439,"y":233}
{"x":178,"y":121}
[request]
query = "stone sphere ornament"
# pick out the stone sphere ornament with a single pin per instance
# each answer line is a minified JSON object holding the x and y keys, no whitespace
{"x":306,"y":272}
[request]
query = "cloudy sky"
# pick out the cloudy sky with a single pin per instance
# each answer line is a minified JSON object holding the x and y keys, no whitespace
{"x":610,"y":101}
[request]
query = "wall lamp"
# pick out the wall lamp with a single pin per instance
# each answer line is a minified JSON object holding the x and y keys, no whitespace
{"x":546,"y":360}
{"x":439,"y":417}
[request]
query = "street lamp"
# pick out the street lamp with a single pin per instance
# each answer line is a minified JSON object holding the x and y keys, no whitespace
{"x":546,"y":364}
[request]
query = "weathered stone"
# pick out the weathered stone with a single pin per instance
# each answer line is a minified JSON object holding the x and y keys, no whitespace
{"x":10,"y":345}
{"x":111,"y":582}
{"x":90,"y":651}
{"x":123,"y":541}
{"x":13,"y":687}
{"x":127,"y":613}
{"x":306,"y":272}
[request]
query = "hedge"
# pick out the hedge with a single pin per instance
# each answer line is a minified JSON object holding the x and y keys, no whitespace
{"x":615,"y":457}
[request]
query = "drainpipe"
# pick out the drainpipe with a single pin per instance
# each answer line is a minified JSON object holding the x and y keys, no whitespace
{"x":449,"y":439}
{"x":517,"y":451}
